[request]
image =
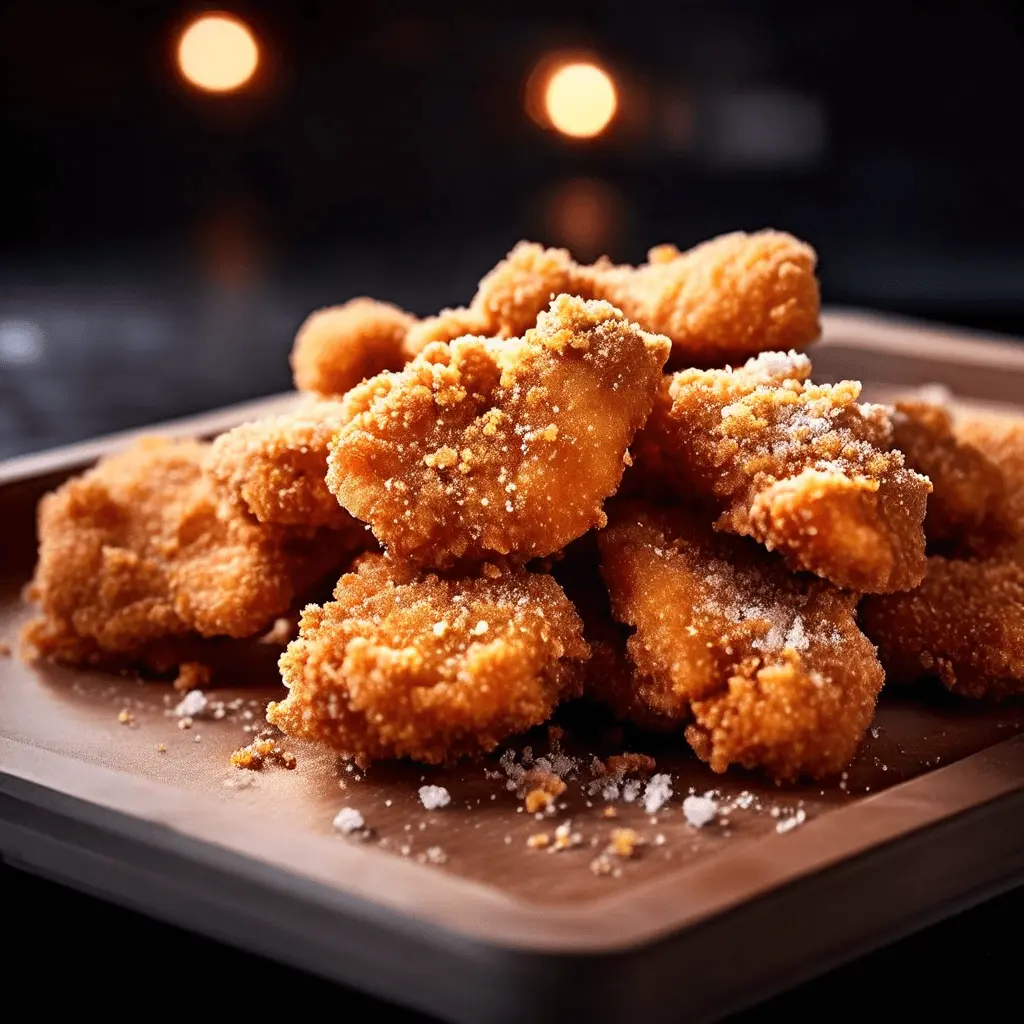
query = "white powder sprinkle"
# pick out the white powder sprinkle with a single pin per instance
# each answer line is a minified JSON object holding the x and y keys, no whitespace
{"x":790,"y":823}
{"x":658,"y":792}
{"x":699,"y":810}
{"x":348,"y":820}
{"x":433,"y":797}
{"x":192,"y":704}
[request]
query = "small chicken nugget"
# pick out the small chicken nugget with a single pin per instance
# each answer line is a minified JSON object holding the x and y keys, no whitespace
{"x":769,"y":668}
{"x":401,"y":664}
{"x":340,"y":346}
{"x":803,"y":468}
{"x":486,"y":448}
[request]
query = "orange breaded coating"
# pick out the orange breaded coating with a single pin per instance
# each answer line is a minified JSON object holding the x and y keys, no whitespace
{"x":338,"y":347}
{"x":277,"y":467}
{"x":963,"y":625}
{"x":403,"y":664}
{"x":483,"y":448}
{"x":801,"y":467}
{"x":769,"y":668}
{"x":721,"y":301}
{"x":1002,"y":442}
{"x":724,"y":300}
{"x":139,"y":550}
{"x":968,"y":491}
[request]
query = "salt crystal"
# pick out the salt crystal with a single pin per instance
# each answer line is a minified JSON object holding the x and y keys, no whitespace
{"x":191,"y":705}
{"x":658,"y":792}
{"x":787,"y":824}
{"x":348,"y":820}
{"x":433,"y":797}
{"x":699,"y":810}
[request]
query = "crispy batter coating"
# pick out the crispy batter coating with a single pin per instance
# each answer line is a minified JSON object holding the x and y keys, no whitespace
{"x":801,"y":467}
{"x":724,"y":300}
{"x":968,"y":491}
{"x":277,"y":467}
{"x":721,"y":301}
{"x":338,"y":347}
{"x":769,"y":668}
{"x":486,"y":448}
{"x":963,"y":625}
{"x":403,"y":664}
{"x":139,"y":550}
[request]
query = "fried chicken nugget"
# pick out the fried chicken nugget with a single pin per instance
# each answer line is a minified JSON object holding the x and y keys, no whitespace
{"x":801,"y":467}
{"x":964,"y":625}
{"x":403,"y":664}
{"x":721,"y":301}
{"x":277,"y":467}
{"x":139,"y":550}
{"x":769,"y":668}
{"x":484,"y":448}
{"x":337,"y":347}
{"x":968,"y":490}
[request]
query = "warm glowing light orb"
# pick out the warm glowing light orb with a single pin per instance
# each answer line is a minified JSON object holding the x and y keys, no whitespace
{"x":580,"y":100}
{"x":218,"y":53}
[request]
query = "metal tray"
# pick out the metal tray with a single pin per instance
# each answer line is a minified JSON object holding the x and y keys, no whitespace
{"x":699,"y":923}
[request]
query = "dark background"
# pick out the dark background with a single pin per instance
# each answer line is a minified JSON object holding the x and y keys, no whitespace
{"x":159,"y":245}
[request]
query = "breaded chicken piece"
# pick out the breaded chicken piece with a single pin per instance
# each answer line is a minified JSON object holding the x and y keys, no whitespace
{"x":965,"y":623}
{"x":721,"y":301}
{"x":139,"y":549}
{"x":968,"y":491}
{"x":404,"y":664}
{"x":340,"y":346}
{"x":277,"y":467}
{"x":486,"y":448}
{"x":801,"y":467}
{"x":769,"y":668}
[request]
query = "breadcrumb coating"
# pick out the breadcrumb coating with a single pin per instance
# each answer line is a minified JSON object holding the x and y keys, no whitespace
{"x":337,"y":347}
{"x":403,"y":664}
{"x":277,"y":467}
{"x":768,"y":668}
{"x":139,"y":550}
{"x":968,"y":491}
{"x":721,"y":301}
{"x":1002,"y":442}
{"x":803,"y":468}
{"x":486,"y":448}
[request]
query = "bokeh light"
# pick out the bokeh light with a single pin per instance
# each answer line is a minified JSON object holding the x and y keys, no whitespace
{"x":580,"y":99}
{"x":586,"y":215}
{"x":218,"y":53}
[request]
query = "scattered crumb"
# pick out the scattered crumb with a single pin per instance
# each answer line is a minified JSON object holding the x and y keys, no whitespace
{"x":657,"y":793}
{"x":538,"y":840}
{"x":125,"y":717}
{"x":565,"y":838}
{"x":348,"y":820}
{"x":197,"y":738}
{"x":254,"y":756}
{"x":192,"y":675}
{"x":699,"y":810}
{"x":161,"y":748}
{"x":790,"y":823}
{"x":538,"y":800}
{"x":185,"y":723}
{"x":434,"y":797}
{"x":624,"y":842}
{"x":601,"y":866}
{"x":192,"y":704}
{"x":279,"y":633}
{"x":659,"y":839}
{"x":609,"y":812}
{"x":631,"y":764}
{"x":433,"y":855}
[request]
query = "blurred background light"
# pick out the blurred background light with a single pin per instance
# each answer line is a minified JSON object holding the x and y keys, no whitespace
{"x":218,"y":53}
{"x":579,"y":97}
{"x":586,"y":216}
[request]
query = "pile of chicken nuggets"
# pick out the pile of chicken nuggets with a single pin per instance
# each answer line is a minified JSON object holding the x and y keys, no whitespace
{"x":611,"y":481}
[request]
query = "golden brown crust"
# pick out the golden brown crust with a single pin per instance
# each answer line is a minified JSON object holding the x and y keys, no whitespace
{"x":277,"y":467}
{"x":1001,"y":441}
{"x":486,"y":448}
{"x":403,"y":664}
{"x":721,"y":301}
{"x":968,"y":491}
{"x":337,"y":347}
{"x":769,"y":668}
{"x":801,"y":467}
{"x":140,"y":550}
